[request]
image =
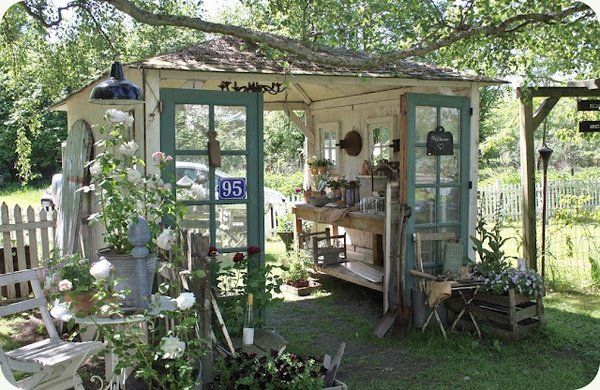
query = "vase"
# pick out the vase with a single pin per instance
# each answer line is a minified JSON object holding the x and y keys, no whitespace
{"x":322,"y":169}
{"x":82,"y":303}
{"x":135,"y":274}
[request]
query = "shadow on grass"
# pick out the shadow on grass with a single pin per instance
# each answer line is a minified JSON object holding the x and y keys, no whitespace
{"x":564,"y":354}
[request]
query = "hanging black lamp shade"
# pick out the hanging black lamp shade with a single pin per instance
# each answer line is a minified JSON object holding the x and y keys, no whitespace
{"x":116,"y":89}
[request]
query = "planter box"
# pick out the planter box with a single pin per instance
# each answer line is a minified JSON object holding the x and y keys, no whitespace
{"x":337,"y":385}
{"x":508,"y":316}
{"x":302,"y":291}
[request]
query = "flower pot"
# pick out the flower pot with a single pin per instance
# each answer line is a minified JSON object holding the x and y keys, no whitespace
{"x":322,"y":169}
{"x":134,"y":274}
{"x":301,"y":289}
{"x":307,"y":195}
{"x":287,"y":238}
{"x":81,"y":304}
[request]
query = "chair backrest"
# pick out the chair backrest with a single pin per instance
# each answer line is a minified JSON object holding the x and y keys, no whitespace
{"x":38,"y":301}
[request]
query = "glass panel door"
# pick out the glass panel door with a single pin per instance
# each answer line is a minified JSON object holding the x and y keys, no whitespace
{"x":187,"y":118}
{"x":437,"y":185}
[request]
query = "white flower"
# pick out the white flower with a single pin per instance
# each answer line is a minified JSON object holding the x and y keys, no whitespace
{"x":117,"y":116}
{"x":95,"y":169}
{"x":101,"y":268}
{"x":198,"y":191}
{"x":185,"y":300}
{"x":168,"y":187}
{"x":65,"y":285}
{"x":86,"y":189}
{"x":128,"y":148}
{"x":95,"y":217}
{"x":166,"y":239}
{"x":60,"y":311}
{"x":162,"y":303}
{"x":172,"y":347}
{"x":134,"y":176}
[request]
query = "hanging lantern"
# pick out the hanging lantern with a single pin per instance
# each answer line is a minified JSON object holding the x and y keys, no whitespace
{"x":116,"y":89}
{"x":545,"y":153}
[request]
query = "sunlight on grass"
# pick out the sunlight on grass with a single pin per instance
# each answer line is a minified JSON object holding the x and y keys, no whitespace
{"x":26,"y":196}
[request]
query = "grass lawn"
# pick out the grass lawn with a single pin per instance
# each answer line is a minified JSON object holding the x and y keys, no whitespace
{"x":565,"y":354}
{"x":30,"y":195}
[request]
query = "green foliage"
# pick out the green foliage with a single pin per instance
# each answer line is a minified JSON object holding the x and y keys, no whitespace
{"x":595,"y":270}
{"x":298,"y":263}
{"x":488,"y":245}
{"x":73,"y":268}
{"x":270,"y":372}
{"x":284,"y":183}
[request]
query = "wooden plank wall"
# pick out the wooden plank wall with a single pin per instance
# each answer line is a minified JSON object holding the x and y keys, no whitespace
{"x":27,"y":239}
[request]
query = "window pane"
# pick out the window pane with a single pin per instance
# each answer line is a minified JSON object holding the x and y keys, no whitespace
{"x":449,"y":167}
{"x":449,"y":204}
{"x":231,"y":226}
{"x":191,"y":126}
{"x":424,"y":205}
{"x":425,"y":167}
{"x":197,"y":218}
{"x":426,"y":121}
{"x":230,"y":124}
{"x":191,"y":177}
{"x":380,"y":139}
{"x":450,"y":119}
{"x":232,"y":166}
{"x":428,"y":251}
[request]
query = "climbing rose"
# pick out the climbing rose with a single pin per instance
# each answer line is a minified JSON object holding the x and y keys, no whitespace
{"x":238,"y":257}
{"x":166,"y":239}
{"x":253,"y":250}
{"x":212,"y":251}
{"x":185,"y":300}
{"x":117,"y":116}
{"x":172,"y":347}
{"x":128,"y":148}
{"x":101,"y":268}
{"x":65,"y":285}
{"x":60,"y":311}
{"x":95,"y":169}
{"x":134,"y":176}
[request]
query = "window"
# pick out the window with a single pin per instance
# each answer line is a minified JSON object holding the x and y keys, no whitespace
{"x":381,"y":132}
{"x":329,"y":138}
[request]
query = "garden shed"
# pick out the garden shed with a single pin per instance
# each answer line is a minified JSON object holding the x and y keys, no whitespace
{"x":393,"y":109}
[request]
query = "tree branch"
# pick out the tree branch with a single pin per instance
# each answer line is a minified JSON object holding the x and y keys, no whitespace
{"x":38,"y":14}
{"x":329,"y":56}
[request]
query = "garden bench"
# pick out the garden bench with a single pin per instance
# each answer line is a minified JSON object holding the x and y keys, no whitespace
{"x":52,"y":362}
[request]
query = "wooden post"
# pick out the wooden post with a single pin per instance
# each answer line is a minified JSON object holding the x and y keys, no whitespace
{"x":527,"y":177}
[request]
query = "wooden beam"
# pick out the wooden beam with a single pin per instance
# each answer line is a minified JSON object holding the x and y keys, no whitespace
{"x":589,"y":84}
{"x":543,"y":111}
{"x":560,"y":92}
{"x":528,"y":179}
{"x":302,"y":93}
{"x":280,"y":106}
{"x":299,"y":123}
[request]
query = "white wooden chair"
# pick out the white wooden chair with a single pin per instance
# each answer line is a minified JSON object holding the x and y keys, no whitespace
{"x":52,"y":362}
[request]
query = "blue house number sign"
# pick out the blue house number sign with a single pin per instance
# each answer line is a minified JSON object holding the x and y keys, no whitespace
{"x":232,"y":188}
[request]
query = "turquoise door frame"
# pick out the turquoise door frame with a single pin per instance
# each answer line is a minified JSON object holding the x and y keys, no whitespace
{"x":463,"y":104}
{"x":253,"y":153}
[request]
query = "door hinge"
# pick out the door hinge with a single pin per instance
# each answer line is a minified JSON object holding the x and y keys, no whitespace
{"x":470,"y":111}
{"x":470,"y":185}
{"x":161,"y":106}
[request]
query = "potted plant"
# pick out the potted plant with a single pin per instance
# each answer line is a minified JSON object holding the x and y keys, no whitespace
{"x":337,"y":185}
{"x":285,"y":229}
{"x":319,"y":165}
{"x":296,"y":276}
{"x":126,"y":197}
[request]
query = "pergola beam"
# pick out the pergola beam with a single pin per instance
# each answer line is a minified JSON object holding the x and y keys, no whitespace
{"x":590,"y":84}
{"x":560,"y":92}
{"x":302,"y":93}
{"x":543,"y":111}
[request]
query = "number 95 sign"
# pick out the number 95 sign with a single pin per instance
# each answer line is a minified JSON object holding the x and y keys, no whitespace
{"x":232,"y":188}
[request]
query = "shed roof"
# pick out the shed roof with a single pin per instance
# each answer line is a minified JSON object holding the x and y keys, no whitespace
{"x":228,"y":54}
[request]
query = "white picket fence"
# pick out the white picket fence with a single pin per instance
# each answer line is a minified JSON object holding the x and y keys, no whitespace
{"x":507,"y":197}
{"x":26,"y":239}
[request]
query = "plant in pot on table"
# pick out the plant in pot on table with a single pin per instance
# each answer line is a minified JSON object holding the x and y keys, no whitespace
{"x":319,"y":165}
{"x":130,"y":205}
{"x":337,"y":186}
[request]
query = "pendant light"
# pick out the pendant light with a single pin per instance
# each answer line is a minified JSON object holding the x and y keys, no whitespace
{"x":116,"y":90}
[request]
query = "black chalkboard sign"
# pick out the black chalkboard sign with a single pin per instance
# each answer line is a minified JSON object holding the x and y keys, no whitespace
{"x":589,"y":126}
{"x":440,"y":142}
{"x":588,"y":105}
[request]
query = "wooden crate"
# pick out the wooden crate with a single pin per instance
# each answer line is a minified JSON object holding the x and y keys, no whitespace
{"x":508,"y":316}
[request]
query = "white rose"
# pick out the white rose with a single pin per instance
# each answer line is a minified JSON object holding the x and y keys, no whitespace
{"x":65,"y":285}
{"x":134,"y":176}
{"x":95,"y":169}
{"x":61,"y":312}
{"x":185,"y":300}
{"x":128,"y":148}
{"x":101,"y":269}
{"x":172,"y":347}
{"x":166,"y":239}
{"x":117,"y":116}
{"x":198,"y":191}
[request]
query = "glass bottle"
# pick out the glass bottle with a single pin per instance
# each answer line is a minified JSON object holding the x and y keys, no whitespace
{"x":248,"y":332}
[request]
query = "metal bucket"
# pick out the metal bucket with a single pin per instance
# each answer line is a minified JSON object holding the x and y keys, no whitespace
{"x":134,"y":274}
{"x":420,"y":309}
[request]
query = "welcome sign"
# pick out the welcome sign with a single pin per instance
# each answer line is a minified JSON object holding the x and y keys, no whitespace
{"x":440,"y":142}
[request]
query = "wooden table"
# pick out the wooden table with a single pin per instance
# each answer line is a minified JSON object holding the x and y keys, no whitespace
{"x":357,"y":220}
